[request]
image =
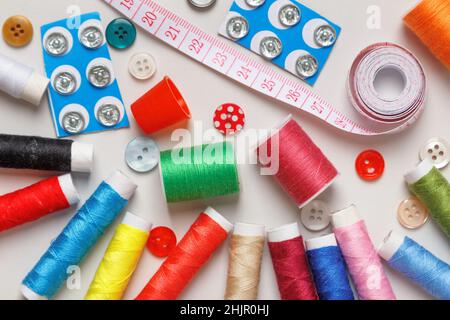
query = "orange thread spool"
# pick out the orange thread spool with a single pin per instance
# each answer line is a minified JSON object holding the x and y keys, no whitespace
{"x":430,"y":21}
{"x":186,"y":259}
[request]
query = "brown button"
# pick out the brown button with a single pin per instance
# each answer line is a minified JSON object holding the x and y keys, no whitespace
{"x":17,"y":31}
{"x":412,"y":214}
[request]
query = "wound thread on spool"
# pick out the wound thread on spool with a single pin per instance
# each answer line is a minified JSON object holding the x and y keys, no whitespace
{"x":36,"y":201}
{"x":430,"y":21}
{"x":244,"y":267}
{"x":290,"y":263}
{"x":433,"y":190}
{"x":199,"y":172}
{"x":204,"y":237}
{"x":362,"y":260}
{"x":161,"y":107}
{"x":37,"y":153}
{"x":418,"y":264}
{"x":328,"y":268}
{"x":304,"y":171}
{"x":78,"y":237}
{"x":120,"y":260}
{"x":21,"y":81}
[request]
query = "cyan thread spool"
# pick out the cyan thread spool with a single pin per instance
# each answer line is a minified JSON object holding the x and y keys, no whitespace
{"x":199,"y":172}
{"x":433,"y":190}
{"x":78,"y":237}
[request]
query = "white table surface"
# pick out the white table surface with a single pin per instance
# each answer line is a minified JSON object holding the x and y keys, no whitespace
{"x":261,"y":200}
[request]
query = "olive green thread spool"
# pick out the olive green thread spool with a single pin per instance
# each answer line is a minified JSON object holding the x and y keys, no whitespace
{"x":433,"y":189}
{"x":199,"y":172}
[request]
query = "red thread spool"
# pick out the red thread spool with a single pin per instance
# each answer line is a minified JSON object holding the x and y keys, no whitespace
{"x":303,"y":170}
{"x":192,"y":252}
{"x":161,"y":107}
{"x":290,"y":263}
{"x":35,"y":201}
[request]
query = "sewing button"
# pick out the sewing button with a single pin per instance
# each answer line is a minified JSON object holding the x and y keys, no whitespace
{"x":202,"y":3}
{"x":91,"y":37}
{"x":142,"y":66}
{"x":412,"y":214}
{"x":120,"y":33}
{"x":369,"y":165}
{"x":237,"y":27}
{"x":270,"y":47}
{"x":142,"y":154}
{"x":255,"y":3}
{"x":437,"y":150}
{"x":17,"y":31}
{"x":73,"y":122}
{"x":315,"y":216}
{"x":229,"y":119}
{"x":289,"y":15}
{"x":161,"y":242}
{"x":65,"y":83}
{"x":56,"y":44}
{"x":325,"y":35}
{"x":99,"y":76}
{"x":306,"y":66}
{"x":108,"y":115}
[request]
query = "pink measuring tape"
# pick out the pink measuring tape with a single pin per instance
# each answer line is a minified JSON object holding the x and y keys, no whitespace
{"x":375,"y":116}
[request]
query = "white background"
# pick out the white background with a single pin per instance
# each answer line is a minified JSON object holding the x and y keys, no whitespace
{"x":261,"y":201}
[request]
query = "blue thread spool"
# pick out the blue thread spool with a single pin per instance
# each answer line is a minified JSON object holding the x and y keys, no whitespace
{"x":418,"y":264}
{"x":78,"y":237}
{"x":328,"y":268}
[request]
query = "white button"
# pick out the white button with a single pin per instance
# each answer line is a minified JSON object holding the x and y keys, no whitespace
{"x":437,"y":150}
{"x":315,"y":216}
{"x":142,"y":66}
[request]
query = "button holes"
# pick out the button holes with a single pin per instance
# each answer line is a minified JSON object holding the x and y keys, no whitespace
{"x":434,"y":158}
{"x":313,"y":210}
{"x":139,"y":158}
{"x":121,"y":37}
{"x":417,"y":213}
{"x":120,"y":28}
{"x":436,"y":146}
{"x":319,"y":218}
{"x":13,"y":29}
{"x":18,"y":25}
{"x":441,"y":153}
{"x":145,"y":150}
{"x":414,"y":207}
{"x":366,"y":161}
{"x":22,"y":31}
{"x":145,"y":60}
{"x":410,"y":216}
{"x":430,"y":151}
{"x":125,"y":33}
{"x":147,"y":68}
{"x":311,"y":218}
{"x":406,"y":210}
{"x":116,"y":33}
{"x":371,"y":170}
{"x":16,"y":34}
{"x":320,"y":212}
{"x":140,"y":69}
{"x":139,"y":63}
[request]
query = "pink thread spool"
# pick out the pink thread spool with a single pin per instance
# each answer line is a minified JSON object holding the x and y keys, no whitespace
{"x":363,"y":262}
{"x":304,"y":171}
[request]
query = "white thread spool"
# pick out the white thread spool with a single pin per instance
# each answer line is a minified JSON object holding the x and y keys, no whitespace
{"x":21,"y":81}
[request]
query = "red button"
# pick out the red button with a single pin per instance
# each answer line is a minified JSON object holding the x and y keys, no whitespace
{"x":369,"y":165}
{"x":229,"y":119}
{"x":161,"y":241}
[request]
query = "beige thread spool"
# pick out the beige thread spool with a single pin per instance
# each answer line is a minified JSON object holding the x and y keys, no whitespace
{"x":246,"y":249}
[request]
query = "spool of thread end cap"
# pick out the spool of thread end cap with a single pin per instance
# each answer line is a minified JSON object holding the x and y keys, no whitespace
{"x":320,"y":242}
{"x":219,"y":219}
{"x":283,"y":233}
{"x":121,"y":184}
{"x":137,"y":222}
{"x":249,"y":230}
{"x":35,"y":88}
{"x":82,"y":157}
{"x":161,"y":107}
{"x":419,"y":172}
{"x":345,"y":217}
{"x":390,"y":245}
{"x":68,"y":188}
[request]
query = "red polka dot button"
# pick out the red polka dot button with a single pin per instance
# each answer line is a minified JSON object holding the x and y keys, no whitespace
{"x":161,"y":241}
{"x":369,"y":165}
{"x":229,"y":119}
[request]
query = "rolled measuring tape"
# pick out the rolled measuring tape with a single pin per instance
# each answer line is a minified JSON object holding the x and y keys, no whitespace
{"x":365,"y":99}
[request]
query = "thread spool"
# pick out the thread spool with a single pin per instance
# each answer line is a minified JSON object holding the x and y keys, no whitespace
{"x":207,"y":233}
{"x":36,"y":201}
{"x":433,"y":190}
{"x":418,"y":264}
{"x":304,"y":171}
{"x":244,"y":267}
{"x":328,"y":268}
{"x":373,"y":105}
{"x":120,"y":260}
{"x":161,"y":107}
{"x":78,"y":237}
{"x":290,"y":263}
{"x":362,"y":260}
{"x":30,"y":152}
{"x":199,"y":172}
{"x":430,"y":21}
{"x":22,"y":82}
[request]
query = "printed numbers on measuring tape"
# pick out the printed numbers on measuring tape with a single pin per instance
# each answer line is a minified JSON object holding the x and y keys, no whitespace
{"x":224,"y":58}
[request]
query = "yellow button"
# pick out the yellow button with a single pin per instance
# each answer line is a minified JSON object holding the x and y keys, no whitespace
{"x":17,"y":31}
{"x":412,"y":214}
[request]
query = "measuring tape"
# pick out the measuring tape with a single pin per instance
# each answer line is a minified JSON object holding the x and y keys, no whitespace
{"x":220,"y":56}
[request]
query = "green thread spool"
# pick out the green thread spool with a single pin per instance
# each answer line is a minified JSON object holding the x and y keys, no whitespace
{"x":431,"y":187}
{"x":199,"y":172}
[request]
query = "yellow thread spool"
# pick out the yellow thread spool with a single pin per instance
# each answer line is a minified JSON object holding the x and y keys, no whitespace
{"x":120,"y":259}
